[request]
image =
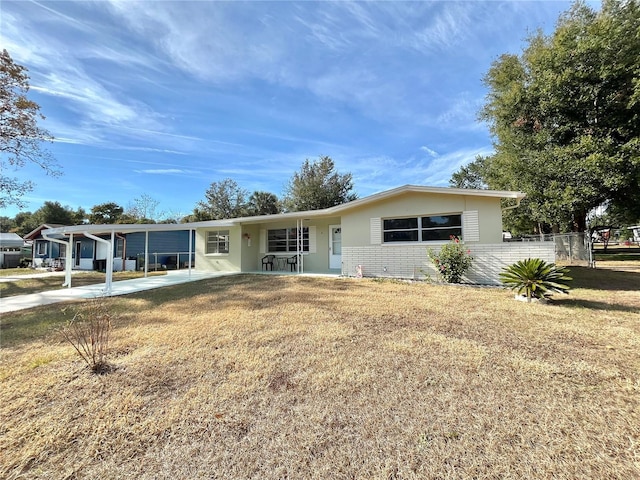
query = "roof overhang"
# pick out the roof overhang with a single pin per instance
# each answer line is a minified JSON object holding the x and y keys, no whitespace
{"x":304,"y":215}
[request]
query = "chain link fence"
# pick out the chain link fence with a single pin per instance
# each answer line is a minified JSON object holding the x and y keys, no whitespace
{"x":570,"y":248}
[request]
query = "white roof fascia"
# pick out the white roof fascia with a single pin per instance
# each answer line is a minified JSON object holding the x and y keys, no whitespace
{"x":326,"y":212}
{"x":376,"y":197}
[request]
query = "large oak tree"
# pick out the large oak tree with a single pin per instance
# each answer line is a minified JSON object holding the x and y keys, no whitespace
{"x":565,"y":116}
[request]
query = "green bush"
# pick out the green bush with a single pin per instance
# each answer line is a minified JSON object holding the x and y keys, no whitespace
{"x":535,"y":277}
{"x":452,"y":261}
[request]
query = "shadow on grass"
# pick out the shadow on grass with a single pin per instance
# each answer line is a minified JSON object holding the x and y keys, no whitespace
{"x":593,"y":305}
{"x":600,"y":279}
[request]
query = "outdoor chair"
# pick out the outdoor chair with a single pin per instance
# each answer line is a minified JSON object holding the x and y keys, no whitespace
{"x":292,"y":262}
{"x":267,"y":261}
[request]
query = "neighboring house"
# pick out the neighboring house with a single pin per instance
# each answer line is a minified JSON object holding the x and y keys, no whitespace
{"x":386,"y":234}
{"x":90,"y":247}
{"x":11,"y":245}
{"x":45,"y":252}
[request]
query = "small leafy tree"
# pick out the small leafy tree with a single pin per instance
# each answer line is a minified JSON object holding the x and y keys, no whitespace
{"x":452,"y":261}
{"x":88,"y":332}
{"x":263,"y":203}
{"x":317,"y":185}
{"x":20,"y":135}
{"x":223,"y":199}
{"x":535,"y":277}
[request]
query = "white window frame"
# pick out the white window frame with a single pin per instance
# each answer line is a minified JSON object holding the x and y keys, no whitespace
{"x":42,"y":248}
{"x":291,"y":241}
{"x":419,"y":229}
{"x":212,"y":246}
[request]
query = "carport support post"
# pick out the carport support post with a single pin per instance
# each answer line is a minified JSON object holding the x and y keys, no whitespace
{"x":109,"y":265}
{"x":67,"y":265}
{"x":146,"y":253}
{"x":190,"y":250}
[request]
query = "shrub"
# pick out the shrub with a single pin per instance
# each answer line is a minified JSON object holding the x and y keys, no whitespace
{"x":88,"y":332}
{"x":452,"y":261}
{"x":535,"y":277}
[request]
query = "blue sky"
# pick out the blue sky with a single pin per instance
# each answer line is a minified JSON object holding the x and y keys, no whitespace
{"x":162,"y":98}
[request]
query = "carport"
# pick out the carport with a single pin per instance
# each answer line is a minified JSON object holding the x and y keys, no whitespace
{"x":65,"y":236}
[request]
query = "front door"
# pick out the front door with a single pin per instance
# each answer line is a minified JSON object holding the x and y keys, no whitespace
{"x":335,"y":246}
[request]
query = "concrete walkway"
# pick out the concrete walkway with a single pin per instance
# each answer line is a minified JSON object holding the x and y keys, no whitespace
{"x":123,"y":287}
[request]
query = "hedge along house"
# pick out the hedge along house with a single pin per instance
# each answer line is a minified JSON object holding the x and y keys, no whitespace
{"x":386,"y":234}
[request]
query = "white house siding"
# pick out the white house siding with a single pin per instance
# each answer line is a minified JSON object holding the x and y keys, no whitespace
{"x":411,"y":261}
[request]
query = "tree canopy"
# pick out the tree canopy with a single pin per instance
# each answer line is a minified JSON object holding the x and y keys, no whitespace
{"x":106,"y":214}
{"x":223,"y":199}
{"x":263,"y":203}
{"x":317,"y":185}
{"x":565,"y":117}
{"x":20,"y":135}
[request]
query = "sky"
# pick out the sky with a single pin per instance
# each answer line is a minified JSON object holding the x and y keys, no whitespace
{"x":162,"y":98}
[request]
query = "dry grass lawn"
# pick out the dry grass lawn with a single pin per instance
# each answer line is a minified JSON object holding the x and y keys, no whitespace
{"x":297,"y":377}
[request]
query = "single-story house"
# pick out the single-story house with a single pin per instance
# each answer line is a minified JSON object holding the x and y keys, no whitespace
{"x":11,"y":245}
{"x":385,"y":234}
{"x":90,"y":247}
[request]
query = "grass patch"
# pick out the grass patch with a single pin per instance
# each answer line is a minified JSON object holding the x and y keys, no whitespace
{"x":78,"y":279}
{"x":297,"y":377}
{"x":14,"y":272}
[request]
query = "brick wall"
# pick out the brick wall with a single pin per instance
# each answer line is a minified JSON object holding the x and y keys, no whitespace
{"x":411,"y":261}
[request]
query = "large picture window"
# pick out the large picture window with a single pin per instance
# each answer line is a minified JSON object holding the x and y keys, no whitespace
{"x":217,"y":241}
{"x":286,"y":240}
{"x":422,"y":229}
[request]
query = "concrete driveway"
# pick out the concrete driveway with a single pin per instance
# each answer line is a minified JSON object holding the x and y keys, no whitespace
{"x":123,"y":287}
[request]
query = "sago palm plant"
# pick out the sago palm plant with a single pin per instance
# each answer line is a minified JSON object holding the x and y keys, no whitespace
{"x":535,"y":277}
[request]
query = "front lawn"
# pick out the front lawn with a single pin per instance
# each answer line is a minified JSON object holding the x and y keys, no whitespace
{"x":295,"y":377}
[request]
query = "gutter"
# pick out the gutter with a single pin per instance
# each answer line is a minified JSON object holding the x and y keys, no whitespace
{"x":518,"y":200}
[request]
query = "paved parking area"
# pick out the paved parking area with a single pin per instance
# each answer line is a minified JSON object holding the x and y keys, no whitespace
{"x":123,"y":287}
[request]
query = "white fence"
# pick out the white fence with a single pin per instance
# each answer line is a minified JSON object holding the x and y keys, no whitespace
{"x":411,"y":261}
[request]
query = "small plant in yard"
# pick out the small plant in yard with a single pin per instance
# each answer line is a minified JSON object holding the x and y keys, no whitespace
{"x":88,"y":332}
{"x":452,"y":261}
{"x":535,"y":277}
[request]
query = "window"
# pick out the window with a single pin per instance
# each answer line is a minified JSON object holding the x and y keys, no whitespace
{"x":422,"y":229}
{"x":42,"y":248}
{"x":218,"y":241}
{"x":286,"y":240}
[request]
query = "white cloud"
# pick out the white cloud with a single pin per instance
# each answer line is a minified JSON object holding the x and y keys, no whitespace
{"x":428,"y":151}
{"x":166,"y":171}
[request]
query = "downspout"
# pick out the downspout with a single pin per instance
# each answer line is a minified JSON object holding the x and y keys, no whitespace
{"x":67,"y":264}
{"x":109,"y":266}
{"x":518,"y":200}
